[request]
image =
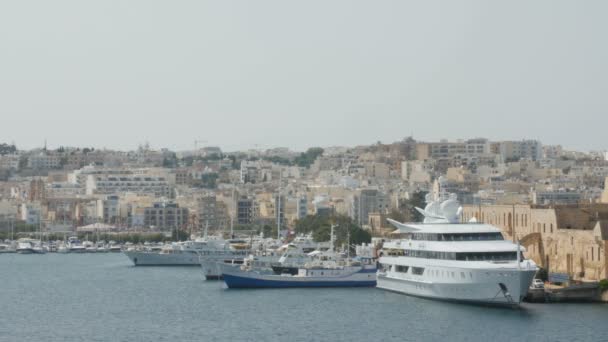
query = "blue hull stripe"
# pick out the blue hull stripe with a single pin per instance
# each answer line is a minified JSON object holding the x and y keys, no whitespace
{"x":243,"y":282}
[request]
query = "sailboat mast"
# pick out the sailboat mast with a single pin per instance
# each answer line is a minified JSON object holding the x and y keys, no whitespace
{"x":279,"y":206}
{"x":234,"y":212}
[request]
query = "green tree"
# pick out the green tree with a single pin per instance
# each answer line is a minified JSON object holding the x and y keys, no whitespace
{"x":7,"y":149}
{"x":320,"y":227}
{"x":306,"y":159}
{"x":418,"y":199}
{"x":23,"y":160}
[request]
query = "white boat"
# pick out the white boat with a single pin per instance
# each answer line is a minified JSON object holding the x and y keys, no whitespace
{"x":176,"y":254}
{"x":447,"y":260}
{"x":7,"y":248}
{"x":29,"y":246}
{"x":114,"y":247}
{"x":74,"y":245}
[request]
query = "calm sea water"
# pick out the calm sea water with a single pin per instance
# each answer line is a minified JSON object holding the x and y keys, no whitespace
{"x":103,"y":298}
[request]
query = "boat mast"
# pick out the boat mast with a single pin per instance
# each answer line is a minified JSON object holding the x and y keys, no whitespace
{"x":279,"y":206}
{"x":331,"y":238}
{"x":348,"y":242}
{"x":234,"y":213}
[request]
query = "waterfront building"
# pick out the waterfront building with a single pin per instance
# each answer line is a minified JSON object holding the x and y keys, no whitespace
{"x":247,"y":211}
{"x":108,"y":209}
{"x":37,"y":190}
{"x":208,"y":212}
{"x":31,"y":212}
{"x":569,"y":239}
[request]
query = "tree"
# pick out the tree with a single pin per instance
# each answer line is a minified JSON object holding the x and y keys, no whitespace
{"x":268,"y":230}
{"x":7,"y":149}
{"x":418,"y":199}
{"x":209,"y":180}
{"x":306,"y":159}
{"x":398,"y":215}
{"x":320,"y":227}
{"x":63,"y":161}
{"x":23,"y":160}
{"x":170,"y":161}
{"x":406,"y":211}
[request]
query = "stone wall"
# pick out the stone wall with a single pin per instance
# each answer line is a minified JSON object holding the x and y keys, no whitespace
{"x":571,"y":239}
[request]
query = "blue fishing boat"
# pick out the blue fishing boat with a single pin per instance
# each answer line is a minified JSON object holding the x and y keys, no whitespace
{"x":352,"y":273}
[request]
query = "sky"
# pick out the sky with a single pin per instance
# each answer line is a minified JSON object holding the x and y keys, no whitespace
{"x":261,"y":74}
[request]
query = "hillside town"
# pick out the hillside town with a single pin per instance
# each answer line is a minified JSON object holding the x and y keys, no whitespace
{"x":553,"y":200}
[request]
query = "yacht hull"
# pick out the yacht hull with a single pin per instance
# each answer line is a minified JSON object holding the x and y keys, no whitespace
{"x":496,"y":287}
{"x":157,"y":259}
{"x":235,"y":278}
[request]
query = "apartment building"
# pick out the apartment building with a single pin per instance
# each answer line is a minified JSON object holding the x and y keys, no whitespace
{"x":165,"y":216}
{"x":141,"y":185}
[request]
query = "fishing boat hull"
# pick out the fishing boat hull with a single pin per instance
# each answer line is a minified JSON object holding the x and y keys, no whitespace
{"x":234,"y":277}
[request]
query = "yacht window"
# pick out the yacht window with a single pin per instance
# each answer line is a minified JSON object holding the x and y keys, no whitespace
{"x":400,"y":268}
{"x":417,"y":270}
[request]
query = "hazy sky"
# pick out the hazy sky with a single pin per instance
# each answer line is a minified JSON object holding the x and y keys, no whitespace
{"x":302,"y":73}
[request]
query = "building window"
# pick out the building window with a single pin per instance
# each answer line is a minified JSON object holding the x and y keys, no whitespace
{"x":551,"y":227}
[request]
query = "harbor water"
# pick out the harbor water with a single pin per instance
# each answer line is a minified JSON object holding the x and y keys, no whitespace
{"x":102,"y":297}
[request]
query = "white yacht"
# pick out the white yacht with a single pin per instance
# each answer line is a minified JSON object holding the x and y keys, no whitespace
{"x":182,"y":253}
{"x":29,"y":246}
{"x":447,"y":260}
{"x":74,"y":245}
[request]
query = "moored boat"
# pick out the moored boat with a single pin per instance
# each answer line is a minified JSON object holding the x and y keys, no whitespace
{"x":345,"y":273}
{"x":448,"y":260}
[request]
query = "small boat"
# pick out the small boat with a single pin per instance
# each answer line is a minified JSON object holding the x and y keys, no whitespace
{"x":6,"y":248}
{"x":28,"y":246}
{"x":75,"y":246}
